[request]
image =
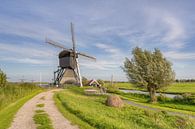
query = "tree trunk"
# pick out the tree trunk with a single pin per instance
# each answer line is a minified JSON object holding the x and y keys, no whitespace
{"x":152,"y":92}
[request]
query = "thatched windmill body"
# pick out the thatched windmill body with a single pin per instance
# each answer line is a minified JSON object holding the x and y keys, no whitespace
{"x":68,"y":69}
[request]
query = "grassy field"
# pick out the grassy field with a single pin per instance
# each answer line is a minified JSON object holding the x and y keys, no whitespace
{"x":182,"y":88}
{"x":93,"y":111}
{"x":12,"y":97}
{"x":173,"y":88}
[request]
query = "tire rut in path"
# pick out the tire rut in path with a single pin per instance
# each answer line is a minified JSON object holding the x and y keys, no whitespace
{"x":24,"y":117}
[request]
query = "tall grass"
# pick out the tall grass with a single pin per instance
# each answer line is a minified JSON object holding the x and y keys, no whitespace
{"x":14,"y":91}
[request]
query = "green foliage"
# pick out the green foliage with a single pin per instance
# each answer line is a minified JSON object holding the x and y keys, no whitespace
{"x":149,"y":69}
{"x":163,"y":98}
{"x":92,"y":110}
{"x":3,"y":79}
{"x":186,"y":98}
{"x":101,"y":82}
{"x":42,"y":120}
{"x":85,"y":81}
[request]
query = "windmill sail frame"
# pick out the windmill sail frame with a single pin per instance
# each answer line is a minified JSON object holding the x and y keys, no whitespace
{"x":68,"y":61}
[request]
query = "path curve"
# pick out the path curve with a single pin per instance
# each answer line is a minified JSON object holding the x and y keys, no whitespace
{"x":24,"y":117}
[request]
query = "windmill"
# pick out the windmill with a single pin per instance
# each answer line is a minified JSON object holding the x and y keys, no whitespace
{"x":68,"y":69}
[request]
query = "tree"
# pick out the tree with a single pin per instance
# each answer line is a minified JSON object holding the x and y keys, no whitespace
{"x":101,"y":82}
{"x":3,"y":79}
{"x":84,"y":81}
{"x":150,"y":70}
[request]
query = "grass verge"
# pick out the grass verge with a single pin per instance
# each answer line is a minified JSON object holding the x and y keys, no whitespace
{"x":7,"y":114}
{"x":73,"y":118}
{"x":42,"y":120}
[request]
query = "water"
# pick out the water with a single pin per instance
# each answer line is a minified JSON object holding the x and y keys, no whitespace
{"x":146,"y":93}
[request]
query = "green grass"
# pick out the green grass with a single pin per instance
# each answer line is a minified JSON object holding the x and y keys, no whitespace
{"x":42,"y":120}
{"x":14,"y":91}
{"x":39,"y":111}
{"x":173,"y":88}
{"x":169,"y":103}
{"x":182,"y":88}
{"x":73,"y":118}
{"x":7,"y":113}
{"x":40,"y":105}
{"x":121,"y":85}
{"x":93,"y":111}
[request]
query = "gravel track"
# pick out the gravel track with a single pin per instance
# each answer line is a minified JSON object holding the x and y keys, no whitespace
{"x":24,"y":117}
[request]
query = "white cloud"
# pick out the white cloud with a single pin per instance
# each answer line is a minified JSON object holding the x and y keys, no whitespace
{"x":26,"y":50}
{"x":176,"y":33}
{"x":108,"y":48}
{"x":176,"y":55}
{"x":27,"y":60}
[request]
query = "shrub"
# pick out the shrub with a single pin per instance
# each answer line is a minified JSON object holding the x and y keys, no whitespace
{"x":3,"y":79}
{"x":186,"y":98}
{"x":162,"y":98}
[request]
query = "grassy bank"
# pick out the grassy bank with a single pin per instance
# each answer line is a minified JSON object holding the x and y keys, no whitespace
{"x":12,"y":97}
{"x":162,"y":102}
{"x":15,"y":91}
{"x":93,"y":111}
{"x":7,"y":114}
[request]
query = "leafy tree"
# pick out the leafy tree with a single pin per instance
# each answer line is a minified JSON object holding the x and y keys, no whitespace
{"x":3,"y":79}
{"x":84,"y":81}
{"x":150,"y":70}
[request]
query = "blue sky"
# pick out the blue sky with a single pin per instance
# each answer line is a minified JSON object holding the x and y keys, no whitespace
{"x":106,"y":29}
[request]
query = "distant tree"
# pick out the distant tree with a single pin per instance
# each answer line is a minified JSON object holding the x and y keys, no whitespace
{"x":84,"y":81}
{"x":3,"y":79}
{"x":150,"y":70}
{"x":101,"y":82}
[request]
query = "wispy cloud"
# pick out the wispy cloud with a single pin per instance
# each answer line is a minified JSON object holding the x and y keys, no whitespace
{"x":177,"y":55}
{"x":27,"y":61}
{"x":26,"y":54}
{"x":175,"y":34}
{"x":108,"y":48}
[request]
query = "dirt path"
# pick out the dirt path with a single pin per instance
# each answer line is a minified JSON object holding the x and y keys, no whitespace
{"x":156,"y":109}
{"x":24,"y":117}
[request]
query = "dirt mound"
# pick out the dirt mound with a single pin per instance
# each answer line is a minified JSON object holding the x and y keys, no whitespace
{"x":114,"y":101}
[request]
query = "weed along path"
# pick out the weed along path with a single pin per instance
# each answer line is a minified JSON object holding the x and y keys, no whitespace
{"x":25,"y":117}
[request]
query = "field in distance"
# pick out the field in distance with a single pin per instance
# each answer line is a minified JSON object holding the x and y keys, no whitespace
{"x":183,"y":87}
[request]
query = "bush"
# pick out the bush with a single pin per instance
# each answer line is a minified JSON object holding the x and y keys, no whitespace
{"x":186,"y":98}
{"x":162,"y":98}
{"x":101,"y":82}
{"x":3,"y":79}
